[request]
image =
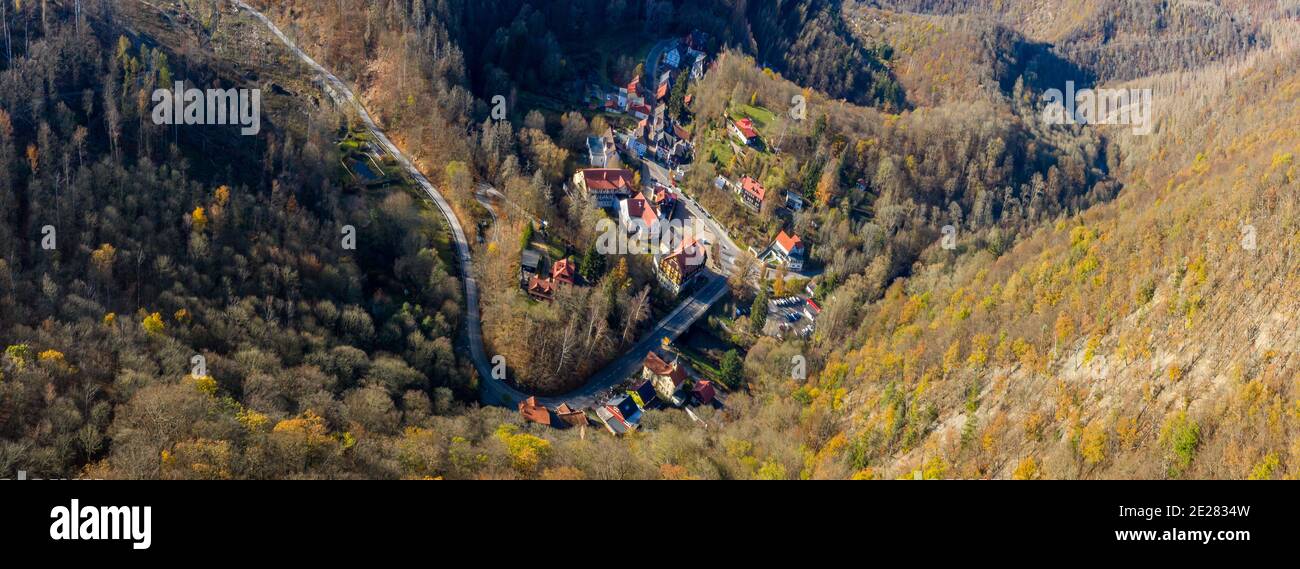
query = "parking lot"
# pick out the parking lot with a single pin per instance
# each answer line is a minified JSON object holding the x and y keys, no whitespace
{"x":788,"y":315}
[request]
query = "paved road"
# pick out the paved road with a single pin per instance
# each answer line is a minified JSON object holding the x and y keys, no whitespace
{"x":708,"y":291}
{"x":474,"y":330}
{"x":492,"y":391}
{"x":657,"y":173}
{"x":651,"y":66}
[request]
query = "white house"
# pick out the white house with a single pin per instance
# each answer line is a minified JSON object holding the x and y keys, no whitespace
{"x":638,"y":218}
{"x":790,"y":249}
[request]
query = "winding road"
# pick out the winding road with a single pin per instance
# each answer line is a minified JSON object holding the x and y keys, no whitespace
{"x":473,"y":319}
{"x":495,"y":391}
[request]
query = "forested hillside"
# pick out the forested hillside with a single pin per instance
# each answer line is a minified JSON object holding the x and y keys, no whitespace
{"x":1144,"y":338}
{"x":1114,"y":305}
{"x":129,"y":248}
{"x":1124,"y":39}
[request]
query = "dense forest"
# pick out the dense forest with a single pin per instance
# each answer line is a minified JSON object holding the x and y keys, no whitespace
{"x":1118,"y":40}
{"x":126,"y":253}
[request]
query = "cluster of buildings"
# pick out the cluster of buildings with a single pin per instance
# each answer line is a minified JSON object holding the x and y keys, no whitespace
{"x":642,"y":216}
{"x":542,"y":285}
{"x":665,"y":381}
{"x":656,"y":135}
{"x":750,"y":191}
{"x":788,"y":249}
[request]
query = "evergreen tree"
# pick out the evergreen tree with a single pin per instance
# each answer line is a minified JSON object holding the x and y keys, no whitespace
{"x":731,"y":369}
{"x":592,"y":264}
{"x":758,"y":311}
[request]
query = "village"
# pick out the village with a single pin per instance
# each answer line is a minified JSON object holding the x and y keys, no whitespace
{"x":633,"y":174}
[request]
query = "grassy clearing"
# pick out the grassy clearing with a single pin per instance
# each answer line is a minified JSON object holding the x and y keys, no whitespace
{"x":762,"y":117}
{"x":700,"y":363}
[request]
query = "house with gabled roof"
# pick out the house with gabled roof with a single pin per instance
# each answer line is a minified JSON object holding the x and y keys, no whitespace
{"x":619,"y":415}
{"x":564,"y":271}
{"x":752,"y":193}
{"x":540,"y":288}
{"x":604,"y":186}
{"x":790,"y":249}
{"x":673,"y":58}
{"x":665,"y":201}
{"x":640,"y":110}
{"x":743,"y":130}
{"x":677,"y":269}
{"x":667,"y":378}
{"x":704,"y":392}
{"x":570,"y":416}
{"x":638,"y":217}
{"x":532,"y":411}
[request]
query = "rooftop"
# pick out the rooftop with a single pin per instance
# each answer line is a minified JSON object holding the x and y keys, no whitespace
{"x":746,"y":128}
{"x":607,"y":179}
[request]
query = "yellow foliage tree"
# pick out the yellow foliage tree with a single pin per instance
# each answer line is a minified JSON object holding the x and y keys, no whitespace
{"x":201,"y":459}
{"x":418,"y":452}
{"x":200,"y":219}
{"x":153,"y":324}
{"x":1027,"y":470}
{"x":771,"y":470}
{"x":251,"y":420}
{"x":102,"y":260}
{"x":1092,"y":444}
{"x":206,"y":385}
{"x":527,"y":452}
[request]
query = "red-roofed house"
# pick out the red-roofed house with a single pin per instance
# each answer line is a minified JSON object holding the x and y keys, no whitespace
{"x":744,"y":131}
{"x":564,"y":271}
{"x":638,"y":217}
{"x":630,"y":94}
{"x":530,"y":410}
{"x":540,"y":288}
{"x":681,"y":133}
{"x":678,"y":268}
{"x":665,"y":201}
{"x":666,"y":377}
{"x":704,"y":392}
{"x":752,"y":193}
{"x":790,"y":249}
{"x":604,"y":186}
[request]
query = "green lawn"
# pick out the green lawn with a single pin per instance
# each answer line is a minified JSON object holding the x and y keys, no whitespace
{"x":719,"y":152}
{"x":701,"y":363}
{"x":762,"y":117}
